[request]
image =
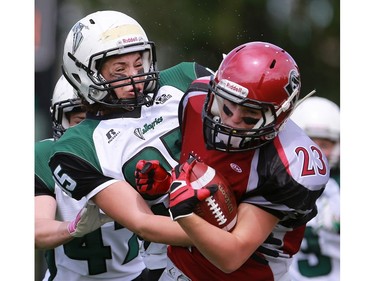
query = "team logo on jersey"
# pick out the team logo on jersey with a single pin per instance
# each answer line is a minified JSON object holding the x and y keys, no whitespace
{"x":236,"y":168}
{"x":77,"y":36}
{"x":111,"y":134}
{"x":163,"y":98}
{"x":139,"y":132}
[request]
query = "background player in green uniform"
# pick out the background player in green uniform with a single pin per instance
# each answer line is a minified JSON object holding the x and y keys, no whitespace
{"x":319,"y":256}
{"x":50,"y":228}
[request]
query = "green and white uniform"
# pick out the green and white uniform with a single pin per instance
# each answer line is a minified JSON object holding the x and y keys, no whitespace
{"x":100,"y":151}
{"x":83,"y":258}
{"x":319,"y":256}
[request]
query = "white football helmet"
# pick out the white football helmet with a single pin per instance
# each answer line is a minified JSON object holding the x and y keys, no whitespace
{"x":100,"y":35}
{"x":320,"y":118}
{"x":65,"y":99}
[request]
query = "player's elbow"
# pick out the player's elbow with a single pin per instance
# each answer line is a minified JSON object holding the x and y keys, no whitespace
{"x":145,"y":233}
{"x":38,"y":244}
{"x":228,"y":265}
{"x":227,"y":269}
{"x":41,"y":242}
{"x":143,"y":230}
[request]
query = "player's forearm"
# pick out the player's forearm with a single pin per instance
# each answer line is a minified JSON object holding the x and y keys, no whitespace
{"x":162,"y":229}
{"x":50,"y":233}
{"x":218,"y":246}
{"x":138,"y":218}
{"x":124,"y":205}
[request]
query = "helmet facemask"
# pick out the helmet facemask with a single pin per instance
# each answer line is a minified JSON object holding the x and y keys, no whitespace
{"x":104,"y":89}
{"x":95,"y":39}
{"x":225,"y":138}
{"x":256,"y":76}
{"x":58,"y":110}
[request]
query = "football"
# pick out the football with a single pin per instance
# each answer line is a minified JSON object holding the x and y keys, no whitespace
{"x":220,"y":209}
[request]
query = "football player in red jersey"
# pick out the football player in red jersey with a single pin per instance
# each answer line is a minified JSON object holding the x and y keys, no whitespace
{"x":275,"y":170}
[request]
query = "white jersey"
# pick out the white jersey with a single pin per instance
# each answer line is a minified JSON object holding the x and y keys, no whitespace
{"x":117,"y":245}
{"x":118,"y":143}
{"x":319,"y":256}
{"x":106,"y":150}
{"x":110,"y":252}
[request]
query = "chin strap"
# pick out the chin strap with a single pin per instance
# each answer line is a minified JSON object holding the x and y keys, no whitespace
{"x":303,"y":99}
{"x":307,"y":96}
{"x":269,"y":117}
{"x":286,"y":104}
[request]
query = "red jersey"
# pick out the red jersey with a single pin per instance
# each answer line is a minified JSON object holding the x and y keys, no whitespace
{"x":283,"y":177}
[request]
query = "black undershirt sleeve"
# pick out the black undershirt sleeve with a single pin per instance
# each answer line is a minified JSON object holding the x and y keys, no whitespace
{"x":74,"y":175}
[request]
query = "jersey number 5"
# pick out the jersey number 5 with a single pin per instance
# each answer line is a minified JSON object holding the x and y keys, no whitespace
{"x":65,"y":182}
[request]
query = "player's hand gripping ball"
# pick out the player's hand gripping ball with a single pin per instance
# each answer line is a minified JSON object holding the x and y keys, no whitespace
{"x":151,"y":179}
{"x":220,"y":208}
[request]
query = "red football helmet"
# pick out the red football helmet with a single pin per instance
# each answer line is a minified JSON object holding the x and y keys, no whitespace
{"x":259,"y":76}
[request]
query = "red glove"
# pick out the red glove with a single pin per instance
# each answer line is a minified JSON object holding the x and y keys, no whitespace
{"x":151,"y":178}
{"x":183,"y":197}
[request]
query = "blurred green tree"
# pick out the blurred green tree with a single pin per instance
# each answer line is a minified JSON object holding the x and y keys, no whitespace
{"x":202,"y":30}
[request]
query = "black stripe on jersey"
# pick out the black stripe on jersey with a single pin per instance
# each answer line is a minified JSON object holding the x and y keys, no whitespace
{"x":40,"y":188}
{"x":259,"y":258}
{"x":201,"y":71}
{"x":197,"y":85}
{"x":279,"y":188}
{"x":116,"y":113}
{"x":85,"y":175}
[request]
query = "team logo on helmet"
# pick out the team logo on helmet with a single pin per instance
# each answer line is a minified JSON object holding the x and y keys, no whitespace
{"x":293,"y":82}
{"x":77,"y":36}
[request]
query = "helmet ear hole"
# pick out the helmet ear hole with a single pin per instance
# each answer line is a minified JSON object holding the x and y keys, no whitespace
{"x":273,"y":64}
{"x":77,"y":78}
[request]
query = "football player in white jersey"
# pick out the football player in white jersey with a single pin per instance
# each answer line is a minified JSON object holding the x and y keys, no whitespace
{"x":132,"y":114}
{"x":237,"y":121}
{"x":319,"y":256}
{"x":54,"y":223}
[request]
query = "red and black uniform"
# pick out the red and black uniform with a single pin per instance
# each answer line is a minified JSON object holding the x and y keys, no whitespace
{"x":283,"y":177}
